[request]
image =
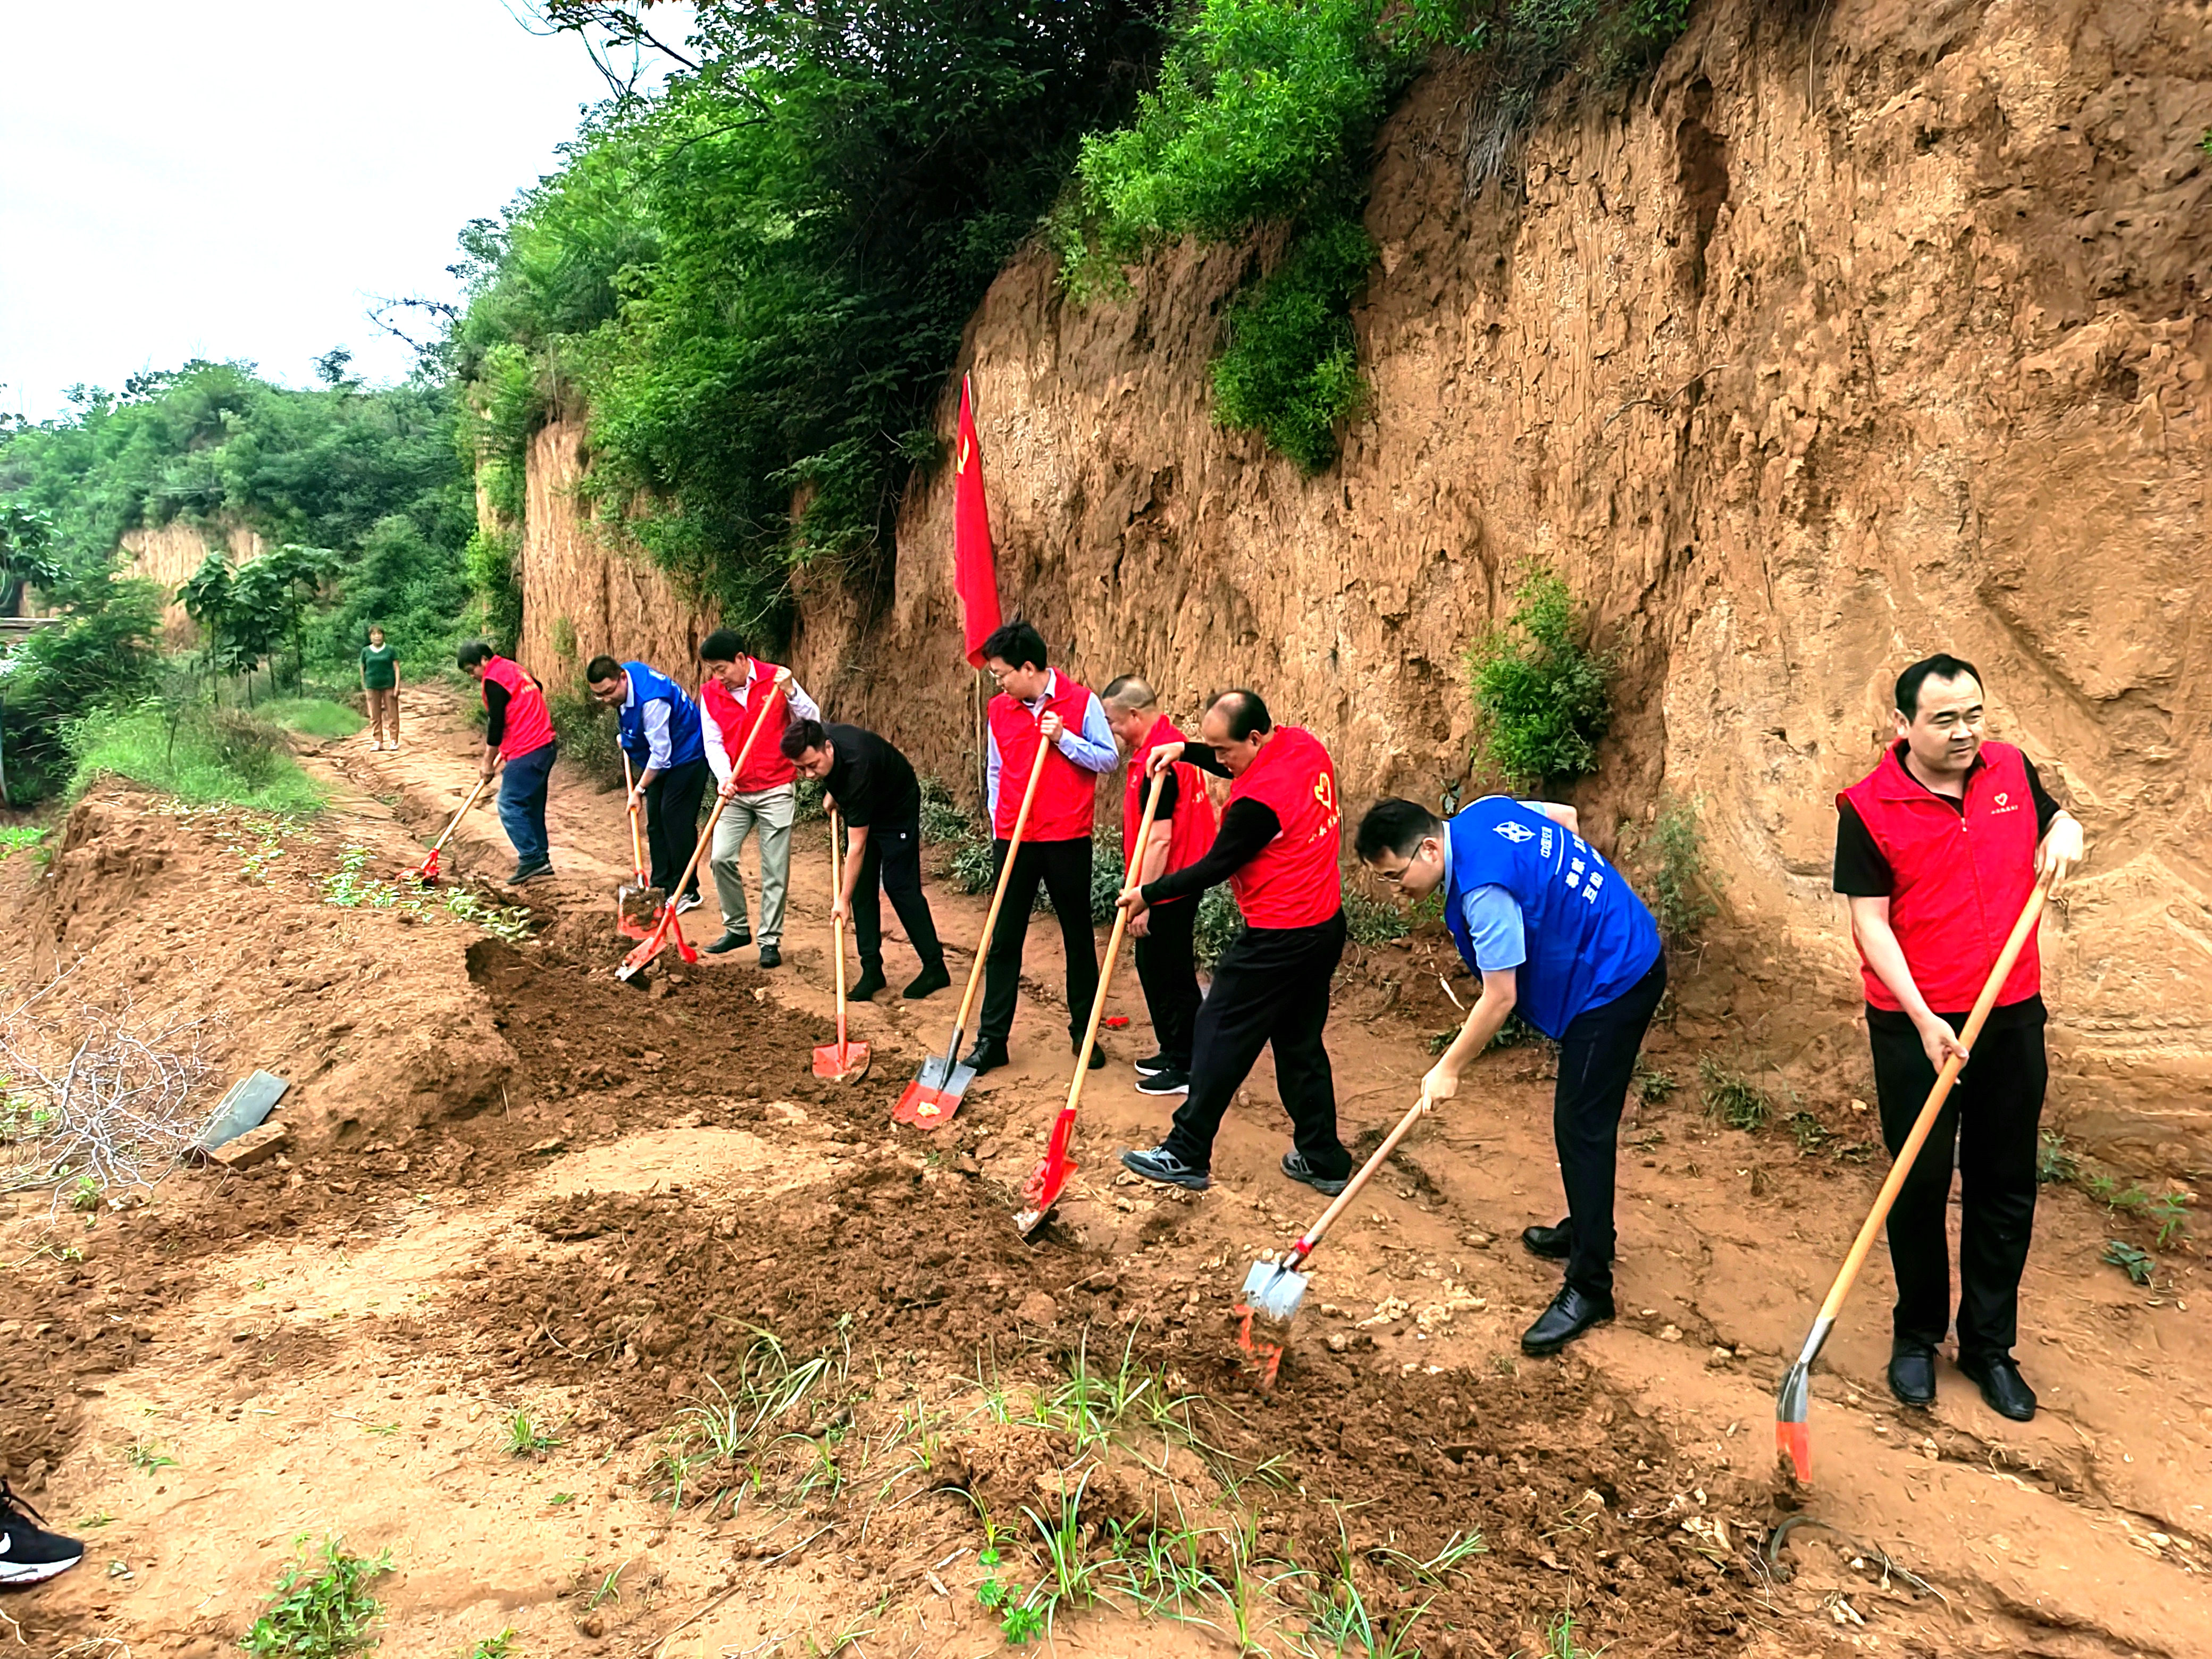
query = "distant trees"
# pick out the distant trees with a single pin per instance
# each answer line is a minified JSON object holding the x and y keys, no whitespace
{"x":244,"y":612}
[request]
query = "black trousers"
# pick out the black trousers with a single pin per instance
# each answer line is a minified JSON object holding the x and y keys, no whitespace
{"x":892,"y":859}
{"x":1063,"y":868}
{"x":1167,"y":967}
{"x":671,"y":821}
{"x":1271,"y":986}
{"x":1597,"y":1059}
{"x":1989,"y":1127}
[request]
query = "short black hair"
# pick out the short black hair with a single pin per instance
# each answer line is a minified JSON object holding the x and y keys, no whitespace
{"x":1244,"y":712}
{"x":601,"y":669}
{"x":1940,"y":667}
{"x":474,"y":652}
{"x":1395,"y":825}
{"x":800,"y":735}
{"x":1016,"y":644}
{"x":723,"y":645}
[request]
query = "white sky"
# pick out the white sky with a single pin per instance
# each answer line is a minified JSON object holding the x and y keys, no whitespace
{"x":241,"y":179}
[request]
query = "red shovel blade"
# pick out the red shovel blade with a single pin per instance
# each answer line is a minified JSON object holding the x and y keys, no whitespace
{"x":1267,"y":1357}
{"x":428,"y":875}
{"x":1041,"y":1191}
{"x":840,"y":1064}
{"x":923,"y":1108}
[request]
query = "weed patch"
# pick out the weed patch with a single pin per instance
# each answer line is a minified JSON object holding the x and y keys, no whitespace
{"x":320,"y":1614}
{"x":21,"y":838}
{"x":1732,"y":1097}
{"x":2135,"y":1263}
{"x":312,"y":717}
{"x":1540,"y":688}
{"x":349,"y":888}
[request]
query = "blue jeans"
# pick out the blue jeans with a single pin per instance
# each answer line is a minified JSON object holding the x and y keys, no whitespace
{"x":522,"y":803}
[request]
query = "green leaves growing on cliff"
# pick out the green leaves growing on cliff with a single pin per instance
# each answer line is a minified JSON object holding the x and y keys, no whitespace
{"x":1540,"y":700}
{"x":1263,"y":116}
{"x":756,"y":281}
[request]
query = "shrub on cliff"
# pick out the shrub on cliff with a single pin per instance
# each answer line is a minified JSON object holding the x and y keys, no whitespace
{"x":1540,"y":700}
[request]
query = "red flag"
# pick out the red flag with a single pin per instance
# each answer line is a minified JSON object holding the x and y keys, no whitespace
{"x":975,"y":574}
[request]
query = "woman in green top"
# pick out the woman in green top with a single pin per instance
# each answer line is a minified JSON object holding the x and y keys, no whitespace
{"x":380,"y":684}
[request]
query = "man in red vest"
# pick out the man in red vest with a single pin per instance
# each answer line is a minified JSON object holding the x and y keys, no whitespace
{"x":1277,"y":849}
{"x":764,"y":795}
{"x":1937,"y":849}
{"x":1036,"y":706}
{"x":518,"y":730}
{"x":1182,"y":829}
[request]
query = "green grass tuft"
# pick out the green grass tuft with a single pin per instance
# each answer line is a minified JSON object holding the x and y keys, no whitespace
{"x":225,"y":758}
{"x":1732,"y":1097}
{"x":312,"y":717}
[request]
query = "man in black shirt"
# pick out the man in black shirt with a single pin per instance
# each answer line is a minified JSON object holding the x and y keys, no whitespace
{"x":873,"y":786}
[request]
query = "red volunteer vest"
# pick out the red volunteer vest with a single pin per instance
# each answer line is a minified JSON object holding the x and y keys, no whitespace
{"x":1190,"y":831}
{"x":765,"y":766}
{"x":529,"y":727}
{"x":1068,"y":796}
{"x":1295,"y":882}
{"x":1960,"y":879}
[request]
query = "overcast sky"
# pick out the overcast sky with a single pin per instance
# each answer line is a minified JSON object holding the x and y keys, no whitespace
{"x":239,"y":179}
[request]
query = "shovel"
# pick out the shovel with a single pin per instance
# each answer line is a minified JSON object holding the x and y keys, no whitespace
{"x":427,"y":874}
{"x":1274,"y":1289}
{"x":1050,"y":1177}
{"x":848,"y":1061}
{"x":930,"y":1099}
{"x":1793,"y":1402}
{"x":633,"y":969}
{"x":627,"y":921}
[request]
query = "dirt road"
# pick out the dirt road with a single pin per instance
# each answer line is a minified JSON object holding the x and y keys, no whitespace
{"x":528,"y":1205}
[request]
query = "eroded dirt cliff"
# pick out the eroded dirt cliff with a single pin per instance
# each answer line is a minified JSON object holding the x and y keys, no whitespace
{"x":1856,"y":331}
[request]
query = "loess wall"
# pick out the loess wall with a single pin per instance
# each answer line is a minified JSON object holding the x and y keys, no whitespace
{"x":1858,"y":331}
{"x":166,"y":555}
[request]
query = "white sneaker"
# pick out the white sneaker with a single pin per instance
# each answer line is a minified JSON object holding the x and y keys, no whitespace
{"x":688,"y":904}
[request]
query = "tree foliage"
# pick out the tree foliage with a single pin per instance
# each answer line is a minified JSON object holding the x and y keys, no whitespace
{"x":372,"y":475}
{"x":756,"y":280}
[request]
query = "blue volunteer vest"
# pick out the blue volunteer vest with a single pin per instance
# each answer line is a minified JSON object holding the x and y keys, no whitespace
{"x":1589,"y":936}
{"x":651,"y":685}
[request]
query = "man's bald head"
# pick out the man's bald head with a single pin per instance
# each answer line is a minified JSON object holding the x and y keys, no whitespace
{"x":1126,"y":691}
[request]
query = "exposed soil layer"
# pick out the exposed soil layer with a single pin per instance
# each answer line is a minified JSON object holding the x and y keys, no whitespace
{"x":649,"y":1185}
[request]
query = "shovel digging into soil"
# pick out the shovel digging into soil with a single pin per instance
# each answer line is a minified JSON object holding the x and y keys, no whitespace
{"x":428,"y":873}
{"x":1793,"y":1402}
{"x":1050,"y":1177}
{"x":634,"y":903}
{"x":846,"y":1062}
{"x":929,"y":1102}
{"x":1274,"y":1289}
{"x":633,"y":971}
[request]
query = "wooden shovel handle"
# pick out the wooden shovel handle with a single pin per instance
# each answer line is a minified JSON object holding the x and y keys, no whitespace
{"x":999,"y":893}
{"x":2030,"y":915}
{"x":836,"y":921}
{"x":1304,"y":1247}
{"x":629,"y":805}
{"x":1113,"y":948}
{"x":482,"y":785}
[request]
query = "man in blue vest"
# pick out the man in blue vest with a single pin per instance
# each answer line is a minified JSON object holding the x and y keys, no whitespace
{"x":659,"y":732}
{"x":1559,"y":936}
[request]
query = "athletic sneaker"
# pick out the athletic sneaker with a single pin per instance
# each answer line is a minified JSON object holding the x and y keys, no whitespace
{"x":529,"y":872}
{"x":1163,"y":1083}
{"x":1163,"y":1166}
{"x":1295,"y":1167}
{"x":1154,"y":1063}
{"x":688,"y":904}
{"x":29,"y":1554}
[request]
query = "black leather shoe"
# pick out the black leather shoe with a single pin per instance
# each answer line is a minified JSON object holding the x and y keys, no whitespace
{"x":985,"y":1056}
{"x":2004,"y":1390}
{"x":1572,"y":1313}
{"x":871,"y":981}
{"x":728,"y":942}
{"x":1098,"y":1054}
{"x":1913,"y":1373}
{"x":1553,"y":1243}
{"x":770,"y":957}
{"x":1295,"y":1167}
{"x":1163,"y":1166}
{"x":930,"y":979}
